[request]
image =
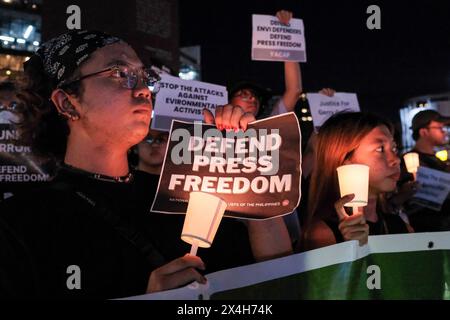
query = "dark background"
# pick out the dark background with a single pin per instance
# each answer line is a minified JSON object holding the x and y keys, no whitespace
{"x":409,"y":56}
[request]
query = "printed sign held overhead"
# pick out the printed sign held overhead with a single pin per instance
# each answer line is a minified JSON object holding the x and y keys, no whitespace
{"x":274,"y":41}
{"x":322,"y":107}
{"x":185,"y":100}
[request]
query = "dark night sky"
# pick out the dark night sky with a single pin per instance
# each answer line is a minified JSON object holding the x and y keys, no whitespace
{"x":409,"y":56}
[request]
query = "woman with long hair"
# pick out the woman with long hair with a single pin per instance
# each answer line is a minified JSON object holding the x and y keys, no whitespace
{"x":352,"y":138}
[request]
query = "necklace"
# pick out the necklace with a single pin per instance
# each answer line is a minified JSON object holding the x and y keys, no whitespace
{"x":97,"y":176}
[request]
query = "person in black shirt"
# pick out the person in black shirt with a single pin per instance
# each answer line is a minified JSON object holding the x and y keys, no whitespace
{"x":429,"y":132}
{"x":352,"y":138}
{"x":89,"y":234}
{"x":232,"y":233}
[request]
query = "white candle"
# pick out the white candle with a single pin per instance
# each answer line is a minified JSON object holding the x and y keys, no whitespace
{"x":412,"y":162}
{"x":354,"y":178}
{"x":203,"y":216}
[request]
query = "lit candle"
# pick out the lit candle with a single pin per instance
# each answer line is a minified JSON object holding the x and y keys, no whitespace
{"x":412,"y":162}
{"x":354,"y":178}
{"x":442,"y":155}
{"x":203,"y":216}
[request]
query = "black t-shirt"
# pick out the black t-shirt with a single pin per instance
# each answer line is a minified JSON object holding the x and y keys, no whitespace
{"x":46,"y":231}
{"x":386,"y":224}
{"x":431,"y":161}
{"x":423,"y":219}
{"x":425,"y":160}
{"x":230,"y":247}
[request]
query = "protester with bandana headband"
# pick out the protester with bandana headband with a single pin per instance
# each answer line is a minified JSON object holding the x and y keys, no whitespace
{"x":87,"y":102}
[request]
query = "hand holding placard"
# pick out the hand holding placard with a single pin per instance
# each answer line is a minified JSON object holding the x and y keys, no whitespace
{"x":284,"y":16}
{"x":326,"y":103}
{"x":278,"y":38}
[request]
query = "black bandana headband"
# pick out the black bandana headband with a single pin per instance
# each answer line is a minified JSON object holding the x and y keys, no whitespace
{"x":62,"y":55}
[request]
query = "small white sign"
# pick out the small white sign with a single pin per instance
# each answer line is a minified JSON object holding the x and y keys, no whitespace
{"x":185,"y":100}
{"x":434,"y":188}
{"x":322,"y":107}
{"x":274,"y":41}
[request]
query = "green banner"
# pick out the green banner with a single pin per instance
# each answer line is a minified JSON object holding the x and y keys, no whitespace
{"x":406,"y":275}
{"x":408,"y":266}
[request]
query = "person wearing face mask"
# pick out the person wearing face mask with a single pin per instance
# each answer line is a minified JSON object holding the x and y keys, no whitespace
{"x":352,"y":138}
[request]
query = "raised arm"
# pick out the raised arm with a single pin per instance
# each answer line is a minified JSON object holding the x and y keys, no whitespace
{"x":292,"y":72}
{"x":293,"y":84}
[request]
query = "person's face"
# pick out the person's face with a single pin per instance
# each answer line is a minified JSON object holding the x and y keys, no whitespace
{"x":7,"y":97}
{"x":153,"y":148}
{"x":379,"y":151}
{"x":435,"y":133}
{"x":247,"y":100}
{"x":110,"y":112}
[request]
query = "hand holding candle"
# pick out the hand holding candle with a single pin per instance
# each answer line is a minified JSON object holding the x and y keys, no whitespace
{"x":352,"y":227}
{"x":354,"y":179}
{"x":412,"y":162}
{"x":354,"y":188}
{"x":203,"y":216}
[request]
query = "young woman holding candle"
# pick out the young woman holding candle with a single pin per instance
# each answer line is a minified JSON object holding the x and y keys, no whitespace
{"x":352,"y":138}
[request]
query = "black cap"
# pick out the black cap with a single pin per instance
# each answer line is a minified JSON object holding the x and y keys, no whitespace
{"x":262,"y":93}
{"x":423,"y":119}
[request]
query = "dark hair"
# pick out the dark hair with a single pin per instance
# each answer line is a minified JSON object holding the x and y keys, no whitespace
{"x":337,"y":140}
{"x":40,"y":124}
{"x":416,"y":134}
{"x":262,"y":94}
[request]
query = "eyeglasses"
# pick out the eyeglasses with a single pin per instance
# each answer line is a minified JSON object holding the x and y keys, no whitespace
{"x":443,"y":129}
{"x":128,"y":77}
{"x":156,"y":140}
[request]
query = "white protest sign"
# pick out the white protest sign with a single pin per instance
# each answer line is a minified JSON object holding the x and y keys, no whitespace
{"x":434,"y":188}
{"x":185,"y":100}
{"x":322,"y":107}
{"x":274,"y":41}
